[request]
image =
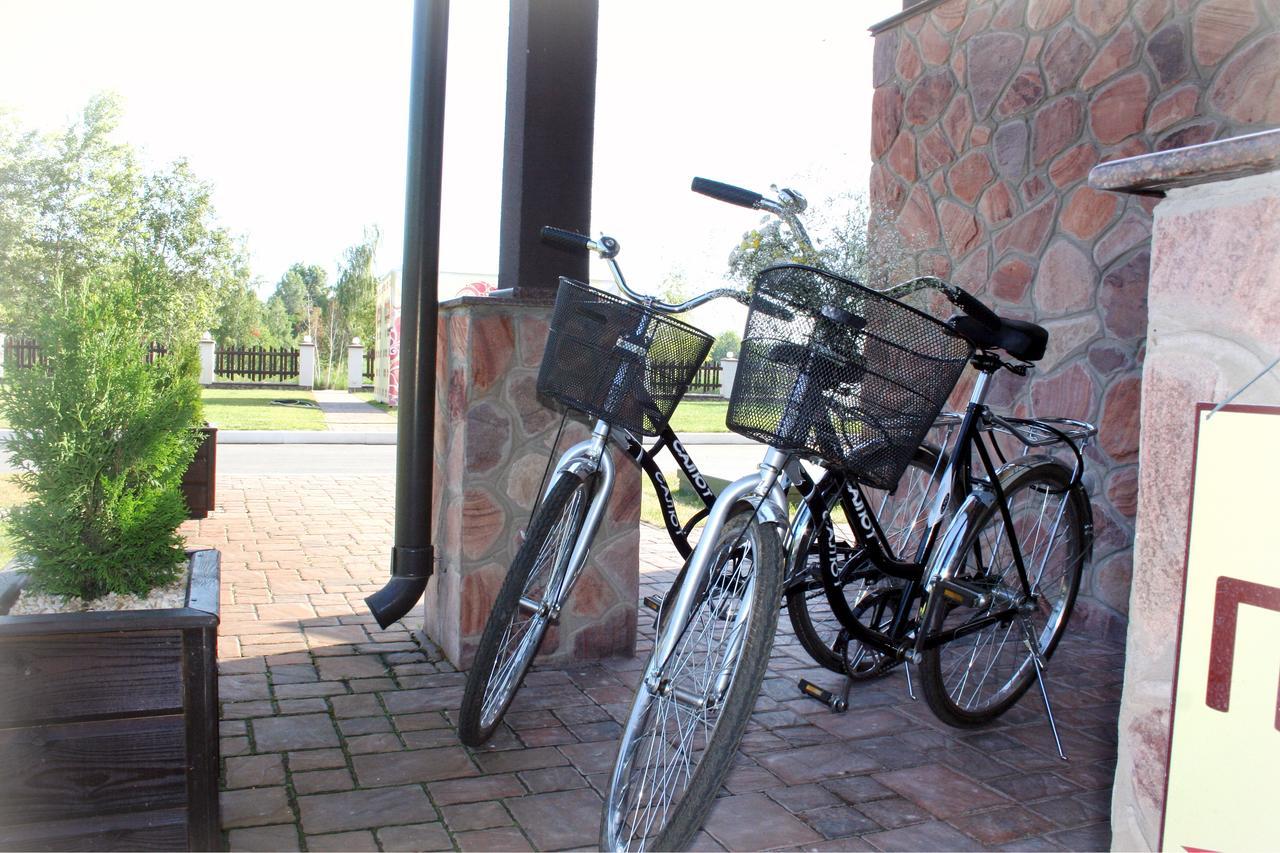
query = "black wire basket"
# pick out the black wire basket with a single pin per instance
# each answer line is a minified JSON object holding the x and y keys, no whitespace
{"x":618,"y":360}
{"x":834,"y":370}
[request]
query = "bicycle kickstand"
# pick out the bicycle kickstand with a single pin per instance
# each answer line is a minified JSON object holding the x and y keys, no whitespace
{"x":1028,"y":634}
{"x":837,"y":704}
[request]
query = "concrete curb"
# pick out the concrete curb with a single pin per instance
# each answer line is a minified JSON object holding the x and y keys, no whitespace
{"x":298,"y":436}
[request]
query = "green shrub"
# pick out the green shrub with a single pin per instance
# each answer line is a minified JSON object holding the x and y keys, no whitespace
{"x":102,"y":439}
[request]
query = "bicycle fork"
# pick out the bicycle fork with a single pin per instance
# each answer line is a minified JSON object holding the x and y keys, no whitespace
{"x":763,"y":490}
{"x":582,"y":459}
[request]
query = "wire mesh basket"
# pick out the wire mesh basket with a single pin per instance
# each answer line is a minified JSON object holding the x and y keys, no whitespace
{"x":835,"y":370}
{"x":618,"y":360}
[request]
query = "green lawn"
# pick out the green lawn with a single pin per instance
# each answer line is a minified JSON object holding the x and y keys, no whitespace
{"x":700,"y":416}
{"x":251,"y":408}
{"x":367,"y":396}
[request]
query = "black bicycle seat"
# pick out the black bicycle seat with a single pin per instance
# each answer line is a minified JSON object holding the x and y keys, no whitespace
{"x":1020,"y":338}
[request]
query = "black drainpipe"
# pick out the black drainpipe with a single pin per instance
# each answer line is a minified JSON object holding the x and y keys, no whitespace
{"x":412,"y":556}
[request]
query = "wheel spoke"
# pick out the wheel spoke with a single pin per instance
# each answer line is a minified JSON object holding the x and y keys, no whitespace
{"x":676,"y":720}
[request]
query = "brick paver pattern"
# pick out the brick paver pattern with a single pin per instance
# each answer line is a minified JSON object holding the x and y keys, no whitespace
{"x":339,"y":736}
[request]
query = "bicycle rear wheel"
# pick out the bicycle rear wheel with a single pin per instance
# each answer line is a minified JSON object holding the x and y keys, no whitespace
{"x":981,"y":673}
{"x":515,"y":630}
{"x":686,"y":721}
{"x":855,"y":588}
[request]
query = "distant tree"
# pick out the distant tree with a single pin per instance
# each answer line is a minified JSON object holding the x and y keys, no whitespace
{"x":849,"y":239}
{"x":674,"y":287}
{"x":727,"y":342}
{"x":277,"y":326}
{"x":356,"y":290}
{"x":239,"y":315}
{"x":302,"y":289}
{"x":76,"y":202}
{"x":349,"y":312}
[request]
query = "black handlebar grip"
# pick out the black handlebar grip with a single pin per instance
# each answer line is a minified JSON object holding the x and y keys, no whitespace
{"x":972,"y":306}
{"x":726,"y":192}
{"x":563,"y":239}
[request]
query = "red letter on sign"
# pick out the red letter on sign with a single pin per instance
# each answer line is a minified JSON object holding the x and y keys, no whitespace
{"x":1232,"y":594}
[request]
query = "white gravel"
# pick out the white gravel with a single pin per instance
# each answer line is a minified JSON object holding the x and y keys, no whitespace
{"x":173,"y":595}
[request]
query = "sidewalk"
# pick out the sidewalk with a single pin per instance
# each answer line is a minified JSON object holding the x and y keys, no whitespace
{"x":344,"y":412}
{"x":339,"y":736}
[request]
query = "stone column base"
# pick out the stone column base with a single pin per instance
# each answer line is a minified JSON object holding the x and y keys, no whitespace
{"x":493,"y":439}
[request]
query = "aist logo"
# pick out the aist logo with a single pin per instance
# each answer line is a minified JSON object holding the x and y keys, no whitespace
{"x":690,"y":471}
{"x":860,"y":507}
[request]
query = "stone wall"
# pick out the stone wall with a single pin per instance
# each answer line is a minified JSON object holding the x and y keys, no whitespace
{"x":493,"y":439}
{"x":987,"y":118}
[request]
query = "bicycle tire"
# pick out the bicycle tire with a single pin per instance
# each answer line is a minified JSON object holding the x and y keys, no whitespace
{"x":998,"y":655}
{"x":486,"y":697}
{"x":816,"y":607}
{"x":656,"y":740}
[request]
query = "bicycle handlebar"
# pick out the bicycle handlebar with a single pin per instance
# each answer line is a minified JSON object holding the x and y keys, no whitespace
{"x":727,"y":193}
{"x":787,"y":207}
{"x":962,"y":299}
{"x":607,"y":248}
{"x":974,"y":307}
{"x":562,"y":238}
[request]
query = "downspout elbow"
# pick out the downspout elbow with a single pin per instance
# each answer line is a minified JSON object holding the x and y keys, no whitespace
{"x":411,"y":569}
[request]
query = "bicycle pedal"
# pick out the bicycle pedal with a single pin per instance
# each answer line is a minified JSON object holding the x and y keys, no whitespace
{"x":837,"y":704}
{"x":654,"y":602}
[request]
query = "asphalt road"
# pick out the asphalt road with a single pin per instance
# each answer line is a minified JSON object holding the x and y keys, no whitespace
{"x":726,"y":462}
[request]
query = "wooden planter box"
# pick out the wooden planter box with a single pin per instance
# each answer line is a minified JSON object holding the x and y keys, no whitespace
{"x":198,"y":483}
{"x":109,"y":725}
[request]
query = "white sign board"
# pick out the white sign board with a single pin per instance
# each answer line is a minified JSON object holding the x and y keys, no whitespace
{"x":1224,"y":755}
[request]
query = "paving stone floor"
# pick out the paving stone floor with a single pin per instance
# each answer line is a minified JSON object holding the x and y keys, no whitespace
{"x":339,"y":736}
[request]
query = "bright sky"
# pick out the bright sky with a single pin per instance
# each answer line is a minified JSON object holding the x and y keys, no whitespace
{"x":296,"y":113}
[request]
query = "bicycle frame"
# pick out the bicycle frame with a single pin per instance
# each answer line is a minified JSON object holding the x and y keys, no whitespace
{"x":588,"y":457}
{"x":940,"y":556}
{"x":645,"y":458}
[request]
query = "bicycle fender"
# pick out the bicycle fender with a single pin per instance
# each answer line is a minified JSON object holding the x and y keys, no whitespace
{"x":949,"y":553}
{"x":768,"y":510}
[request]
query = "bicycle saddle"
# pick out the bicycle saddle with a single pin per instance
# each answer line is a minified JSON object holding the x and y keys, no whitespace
{"x":1020,"y":338}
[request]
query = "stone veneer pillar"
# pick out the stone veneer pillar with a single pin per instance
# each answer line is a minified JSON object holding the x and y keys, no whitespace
{"x":1212,"y":321}
{"x":493,"y":439}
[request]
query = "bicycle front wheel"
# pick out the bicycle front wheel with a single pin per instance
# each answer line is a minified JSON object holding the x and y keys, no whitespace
{"x":687,"y":718}
{"x":986,"y":668}
{"x":523,"y":611}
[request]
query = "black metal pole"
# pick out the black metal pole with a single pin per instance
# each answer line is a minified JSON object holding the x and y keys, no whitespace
{"x":412,"y":556}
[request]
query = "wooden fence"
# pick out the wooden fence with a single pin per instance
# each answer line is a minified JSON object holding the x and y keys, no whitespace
{"x":21,"y":353}
{"x":256,"y":364}
{"x":706,"y":380}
